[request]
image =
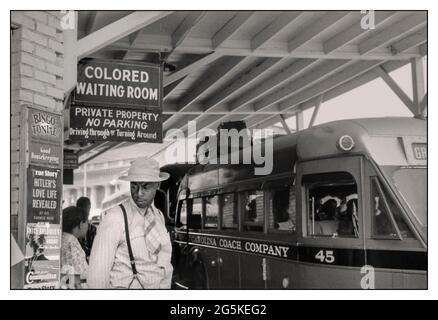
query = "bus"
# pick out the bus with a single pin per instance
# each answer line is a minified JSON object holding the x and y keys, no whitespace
{"x":345,"y":207}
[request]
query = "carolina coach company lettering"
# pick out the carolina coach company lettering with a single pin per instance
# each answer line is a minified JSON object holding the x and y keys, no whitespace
{"x":269,"y":249}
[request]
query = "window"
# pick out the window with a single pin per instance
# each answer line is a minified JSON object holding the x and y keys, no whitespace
{"x":229,"y":211}
{"x":211,"y":212}
{"x":197,"y":207}
{"x":387,"y":219}
{"x":190,"y":213}
{"x":282,"y":215}
{"x":332,"y":203}
{"x":412,"y":185}
{"x":253,"y":211}
{"x":196,"y":213}
{"x":183,"y":213}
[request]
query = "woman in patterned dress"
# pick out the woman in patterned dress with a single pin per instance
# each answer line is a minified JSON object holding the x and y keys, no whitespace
{"x":73,"y":262}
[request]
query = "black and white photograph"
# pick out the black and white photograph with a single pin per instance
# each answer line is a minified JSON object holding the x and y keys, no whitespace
{"x":214,"y":151}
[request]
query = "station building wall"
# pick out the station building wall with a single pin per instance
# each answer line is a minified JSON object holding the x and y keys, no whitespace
{"x":37,"y":72}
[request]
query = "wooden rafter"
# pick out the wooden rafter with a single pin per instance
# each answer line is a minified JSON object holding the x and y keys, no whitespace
{"x":354,"y":31}
{"x":395,"y":88}
{"x":183,"y":30}
{"x":312,"y":77}
{"x":172,"y":87}
{"x":117,"y":30}
{"x":191,"y":68}
{"x":273,"y":29}
{"x":270,"y":84}
{"x":315,"y":28}
{"x":397,"y":30}
{"x":240,"y":84}
{"x":231,"y":27}
{"x":284,"y":124}
{"x":316,"y":111}
{"x":219,"y":70}
{"x":276,"y":50}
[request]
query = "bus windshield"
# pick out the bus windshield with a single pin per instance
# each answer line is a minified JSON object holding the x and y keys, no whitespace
{"x":412,"y":186}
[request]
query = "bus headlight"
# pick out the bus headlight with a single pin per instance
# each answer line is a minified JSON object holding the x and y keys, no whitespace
{"x":345,"y":143}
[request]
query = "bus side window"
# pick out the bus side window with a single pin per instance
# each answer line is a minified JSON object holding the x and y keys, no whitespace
{"x":332,"y":203}
{"x":182,"y":213}
{"x":254,"y":211}
{"x":211,"y":212}
{"x":196,"y":213}
{"x":385,"y":214}
{"x":282,"y":215}
{"x":229,"y":211}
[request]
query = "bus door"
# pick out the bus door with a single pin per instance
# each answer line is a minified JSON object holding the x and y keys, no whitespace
{"x":216,"y":246}
{"x":204,"y":243}
{"x":396,"y":255}
{"x":189,"y":257}
{"x":211,"y":264}
{"x":253,"y":264}
{"x":330,"y":238}
{"x":228,"y":267}
{"x":282,"y":266}
{"x":220,"y":258}
{"x":228,"y":256}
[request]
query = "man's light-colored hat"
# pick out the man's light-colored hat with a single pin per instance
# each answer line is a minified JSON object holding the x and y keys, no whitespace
{"x":144,"y":170}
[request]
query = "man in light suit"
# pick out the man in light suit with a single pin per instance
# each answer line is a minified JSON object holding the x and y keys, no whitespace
{"x":110,"y":261}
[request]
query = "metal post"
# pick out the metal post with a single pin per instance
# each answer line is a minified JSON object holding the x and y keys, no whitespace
{"x":316,"y":111}
{"x":285,"y":126}
{"x":300,"y":120}
{"x":423,"y":106}
{"x":396,"y":89}
{"x":70,"y":58}
{"x":418,"y":87}
{"x":313,"y":216}
{"x":85,"y":180}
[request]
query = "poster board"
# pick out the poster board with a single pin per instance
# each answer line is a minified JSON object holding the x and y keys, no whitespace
{"x":42,"y":197}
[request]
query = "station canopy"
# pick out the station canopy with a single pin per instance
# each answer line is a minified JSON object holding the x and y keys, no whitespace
{"x":258,"y":66}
